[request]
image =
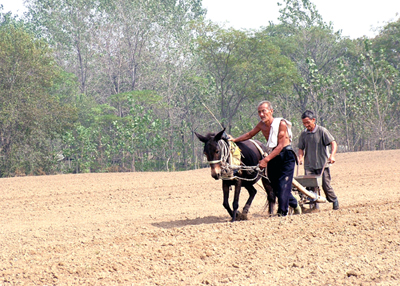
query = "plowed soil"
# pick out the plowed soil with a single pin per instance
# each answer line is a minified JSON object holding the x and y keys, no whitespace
{"x":171,"y":229}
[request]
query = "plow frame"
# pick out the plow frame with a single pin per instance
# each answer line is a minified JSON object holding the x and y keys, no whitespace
{"x":308,"y":189}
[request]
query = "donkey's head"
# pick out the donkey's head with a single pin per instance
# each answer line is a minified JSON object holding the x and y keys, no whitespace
{"x":216,"y":153}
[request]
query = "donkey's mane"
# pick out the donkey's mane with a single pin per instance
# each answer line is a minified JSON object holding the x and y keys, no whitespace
{"x":209,"y":135}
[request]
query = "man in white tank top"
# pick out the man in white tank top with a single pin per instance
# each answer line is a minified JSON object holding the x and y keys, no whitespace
{"x":281,"y":158}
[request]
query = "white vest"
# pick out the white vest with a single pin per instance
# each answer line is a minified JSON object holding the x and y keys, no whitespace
{"x":273,"y":133}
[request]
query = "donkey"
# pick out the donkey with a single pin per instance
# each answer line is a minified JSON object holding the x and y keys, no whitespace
{"x":216,"y":148}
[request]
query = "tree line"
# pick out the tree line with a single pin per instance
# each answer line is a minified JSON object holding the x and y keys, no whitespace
{"x":100,"y":86}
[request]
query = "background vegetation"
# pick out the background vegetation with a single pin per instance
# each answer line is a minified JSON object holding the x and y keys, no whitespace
{"x":104,"y":86}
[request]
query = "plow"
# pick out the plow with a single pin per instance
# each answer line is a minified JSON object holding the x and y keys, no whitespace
{"x":308,"y":189}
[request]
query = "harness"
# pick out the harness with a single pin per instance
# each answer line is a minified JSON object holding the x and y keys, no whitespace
{"x":226,"y":160}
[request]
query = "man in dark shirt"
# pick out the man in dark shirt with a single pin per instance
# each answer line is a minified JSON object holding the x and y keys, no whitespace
{"x":313,"y":148}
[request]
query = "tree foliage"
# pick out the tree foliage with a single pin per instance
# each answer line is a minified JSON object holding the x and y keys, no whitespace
{"x":242,"y":67}
{"x":122,"y":86}
{"x":29,"y":113}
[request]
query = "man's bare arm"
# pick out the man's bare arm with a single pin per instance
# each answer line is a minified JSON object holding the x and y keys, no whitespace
{"x":333,"y":152}
{"x":247,"y":135}
{"x":301,"y":156}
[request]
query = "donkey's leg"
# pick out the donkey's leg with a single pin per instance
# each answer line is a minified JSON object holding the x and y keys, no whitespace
{"x":225,"y":189}
{"x":252,"y":193}
{"x":270,"y":195}
{"x":235,"y":205}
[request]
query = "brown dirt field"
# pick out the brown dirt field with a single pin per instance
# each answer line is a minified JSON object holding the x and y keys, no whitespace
{"x":171,"y":229}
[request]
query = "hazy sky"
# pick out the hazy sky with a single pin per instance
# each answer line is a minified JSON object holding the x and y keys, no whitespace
{"x":354,"y":17}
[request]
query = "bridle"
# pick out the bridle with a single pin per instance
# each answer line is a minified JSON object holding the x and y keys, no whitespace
{"x":225,"y":154}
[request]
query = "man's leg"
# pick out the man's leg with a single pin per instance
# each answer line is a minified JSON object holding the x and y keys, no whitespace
{"x":316,"y":172}
{"x":328,"y":190}
{"x":285,"y":196}
{"x":273,"y":172}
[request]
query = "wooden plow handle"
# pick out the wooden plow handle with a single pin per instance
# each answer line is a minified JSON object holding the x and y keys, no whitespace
{"x":312,"y":195}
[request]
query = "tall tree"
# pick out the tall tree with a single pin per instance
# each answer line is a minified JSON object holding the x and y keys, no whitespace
{"x":299,"y":15}
{"x":70,"y":27}
{"x":243,"y":66}
{"x":315,"y":48}
{"x":389,"y":41}
{"x":378,"y":89}
{"x":29,"y":115}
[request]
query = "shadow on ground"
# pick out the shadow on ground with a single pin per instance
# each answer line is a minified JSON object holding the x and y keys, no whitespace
{"x":196,"y":221}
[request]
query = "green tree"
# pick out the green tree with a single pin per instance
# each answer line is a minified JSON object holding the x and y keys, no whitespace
{"x":123,"y":135}
{"x":297,"y":15}
{"x":378,"y":96}
{"x":388,"y":40}
{"x":30,"y":116}
{"x":315,"y":49}
{"x":70,"y":27}
{"x":243,"y":67}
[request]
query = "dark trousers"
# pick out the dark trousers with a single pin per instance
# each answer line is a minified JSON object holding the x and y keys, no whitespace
{"x":326,"y":182}
{"x":280,"y":172}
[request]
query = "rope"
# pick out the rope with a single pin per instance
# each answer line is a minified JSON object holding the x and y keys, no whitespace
{"x":249,"y":168}
{"x":225,"y":164}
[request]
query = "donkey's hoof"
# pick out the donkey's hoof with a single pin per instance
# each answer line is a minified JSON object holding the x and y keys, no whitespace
{"x":241,"y":216}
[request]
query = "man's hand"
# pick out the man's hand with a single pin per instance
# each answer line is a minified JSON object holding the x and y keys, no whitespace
{"x":263,"y":163}
{"x":331,"y":159}
{"x":301,"y":156}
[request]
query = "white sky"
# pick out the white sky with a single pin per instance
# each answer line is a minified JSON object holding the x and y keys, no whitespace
{"x":354,"y":17}
{"x":15,"y":6}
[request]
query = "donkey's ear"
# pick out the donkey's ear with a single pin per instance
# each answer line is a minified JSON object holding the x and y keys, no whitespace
{"x":219,"y":135}
{"x":201,"y":137}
